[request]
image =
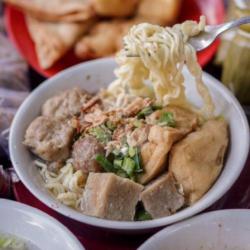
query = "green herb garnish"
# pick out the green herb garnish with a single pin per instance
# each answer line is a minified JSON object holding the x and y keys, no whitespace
{"x":142,"y":214}
{"x":148,"y":111}
{"x":131,"y":151}
{"x":102,"y":133}
{"x":128,"y":166}
{"x":167,"y":119}
{"x":138,"y":163}
{"x":145,"y":112}
{"x":117,"y":163}
{"x":105,"y":163}
{"x":157,"y":107}
{"x":137,"y":123}
{"x":125,"y":164}
{"x":110,"y":125}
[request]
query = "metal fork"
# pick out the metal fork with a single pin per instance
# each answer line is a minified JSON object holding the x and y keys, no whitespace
{"x":211,"y":32}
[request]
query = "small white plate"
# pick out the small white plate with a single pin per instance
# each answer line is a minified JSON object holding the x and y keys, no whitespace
{"x":36,"y":227}
{"x":219,"y":230}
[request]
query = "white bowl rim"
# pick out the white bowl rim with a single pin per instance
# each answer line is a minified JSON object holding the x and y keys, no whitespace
{"x":131,"y":225}
{"x":14,"y":205}
{"x":192,"y":221}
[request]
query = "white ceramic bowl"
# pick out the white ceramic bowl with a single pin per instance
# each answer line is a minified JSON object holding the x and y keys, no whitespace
{"x":222,"y":230}
{"x":97,"y":74}
{"x":35,"y":227}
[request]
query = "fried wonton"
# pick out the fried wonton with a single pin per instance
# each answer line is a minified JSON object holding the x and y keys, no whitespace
{"x":56,"y":10}
{"x":104,"y":39}
{"x":53,"y":40}
{"x":115,"y":8}
{"x":162,"y":12}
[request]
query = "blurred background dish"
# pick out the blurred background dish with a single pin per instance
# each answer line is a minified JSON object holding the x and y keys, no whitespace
{"x":226,"y":229}
{"x":96,"y":35}
{"x":234,"y":54}
{"x":33,"y":228}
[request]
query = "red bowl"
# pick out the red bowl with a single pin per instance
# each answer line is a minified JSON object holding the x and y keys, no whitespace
{"x":191,"y":9}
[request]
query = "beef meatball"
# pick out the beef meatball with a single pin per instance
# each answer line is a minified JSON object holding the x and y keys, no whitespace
{"x":84,"y":152}
{"x":49,"y":138}
{"x":65,"y":104}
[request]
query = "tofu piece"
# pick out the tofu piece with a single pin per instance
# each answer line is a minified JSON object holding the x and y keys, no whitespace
{"x":186,"y":120}
{"x":109,"y":196}
{"x":161,"y":197}
{"x":197,"y":160}
{"x":154,"y":152}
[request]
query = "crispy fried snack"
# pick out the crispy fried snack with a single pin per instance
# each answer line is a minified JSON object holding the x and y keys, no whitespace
{"x":114,"y":8}
{"x":56,"y":10}
{"x":162,"y":12}
{"x":53,"y":40}
{"x":104,"y":39}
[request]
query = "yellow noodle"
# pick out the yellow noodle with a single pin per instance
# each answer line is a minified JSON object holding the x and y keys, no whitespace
{"x":162,"y":52}
{"x":66,"y":186}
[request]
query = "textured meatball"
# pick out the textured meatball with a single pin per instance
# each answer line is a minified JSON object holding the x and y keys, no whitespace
{"x":65,"y":104}
{"x":49,"y":138}
{"x":84,"y":152}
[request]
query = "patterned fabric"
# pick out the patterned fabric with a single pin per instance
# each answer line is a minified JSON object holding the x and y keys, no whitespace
{"x":14,"y":85}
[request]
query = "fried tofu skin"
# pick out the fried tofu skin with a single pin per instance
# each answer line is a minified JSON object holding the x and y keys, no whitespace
{"x":197,"y":160}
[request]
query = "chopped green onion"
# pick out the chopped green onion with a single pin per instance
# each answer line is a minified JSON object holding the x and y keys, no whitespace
{"x":131,"y":151}
{"x":128,"y":166}
{"x":126,"y":162}
{"x":105,"y":163}
{"x":142,"y":215}
{"x":145,"y":112}
{"x":137,"y":159}
{"x":148,"y":111}
{"x":167,"y":119}
{"x":101,"y":133}
{"x":110,"y":125}
{"x":118,"y":163}
{"x":157,"y":107}
{"x":137,"y":123}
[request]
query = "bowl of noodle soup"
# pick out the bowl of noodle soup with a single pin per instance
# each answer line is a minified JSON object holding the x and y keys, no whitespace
{"x":167,"y":73}
{"x":98,"y":74}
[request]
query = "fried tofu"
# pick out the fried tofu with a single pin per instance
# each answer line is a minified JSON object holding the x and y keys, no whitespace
{"x":109,"y":196}
{"x":197,"y":160}
{"x":154,"y":152}
{"x":162,"y":197}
